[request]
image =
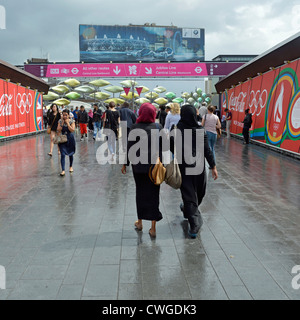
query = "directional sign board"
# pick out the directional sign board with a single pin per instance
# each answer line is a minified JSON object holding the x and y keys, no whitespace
{"x":143,"y":70}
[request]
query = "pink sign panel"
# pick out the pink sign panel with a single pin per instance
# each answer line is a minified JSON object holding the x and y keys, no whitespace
{"x":132,"y":70}
{"x":127,"y":70}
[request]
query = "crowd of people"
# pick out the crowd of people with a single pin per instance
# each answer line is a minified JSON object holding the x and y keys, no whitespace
{"x":61,"y":121}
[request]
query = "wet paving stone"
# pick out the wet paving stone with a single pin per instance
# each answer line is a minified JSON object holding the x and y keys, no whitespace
{"x":72,"y":238}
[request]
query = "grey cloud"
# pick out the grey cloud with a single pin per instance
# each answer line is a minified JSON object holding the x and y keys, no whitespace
{"x":38,"y":27}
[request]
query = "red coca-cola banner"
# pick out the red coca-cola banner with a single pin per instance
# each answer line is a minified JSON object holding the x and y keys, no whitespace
{"x":274,"y":101}
{"x":20,"y":110}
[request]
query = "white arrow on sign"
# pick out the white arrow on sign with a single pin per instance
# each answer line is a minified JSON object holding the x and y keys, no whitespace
{"x":117,"y":70}
{"x":148,"y":71}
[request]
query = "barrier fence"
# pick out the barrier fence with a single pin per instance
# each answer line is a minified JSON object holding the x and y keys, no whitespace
{"x":274,"y":101}
{"x":20,"y":110}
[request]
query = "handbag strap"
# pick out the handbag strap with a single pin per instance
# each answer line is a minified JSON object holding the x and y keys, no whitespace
{"x":157,"y":127}
{"x":175,"y":159}
{"x":175,"y":128}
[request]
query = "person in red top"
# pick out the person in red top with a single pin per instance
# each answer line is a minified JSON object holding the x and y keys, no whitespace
{"x":83,"y":119}
{"x":228,"y":122}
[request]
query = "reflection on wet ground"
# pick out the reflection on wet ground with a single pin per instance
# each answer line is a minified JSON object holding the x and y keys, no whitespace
{"x":73,"y":237}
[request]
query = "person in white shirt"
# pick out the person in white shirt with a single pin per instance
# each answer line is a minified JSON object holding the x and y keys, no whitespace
{"x":173,"y":116}
{"x":211,"y":122}
{"x":203,"y":110}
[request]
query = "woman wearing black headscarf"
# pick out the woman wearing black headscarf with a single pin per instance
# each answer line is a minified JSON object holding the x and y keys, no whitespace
{"x":193,"y":186}
{"x":147,"y":193}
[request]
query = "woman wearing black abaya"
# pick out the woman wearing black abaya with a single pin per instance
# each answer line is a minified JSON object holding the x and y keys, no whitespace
{"x":147,"y":193}
{"x":193,"y":186}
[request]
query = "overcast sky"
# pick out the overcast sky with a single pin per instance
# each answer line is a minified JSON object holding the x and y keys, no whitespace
{"x":36,"y":28}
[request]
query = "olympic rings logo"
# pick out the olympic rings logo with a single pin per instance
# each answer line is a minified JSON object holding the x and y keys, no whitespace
{"x":258,"y":102}
{"x":24,"y":102}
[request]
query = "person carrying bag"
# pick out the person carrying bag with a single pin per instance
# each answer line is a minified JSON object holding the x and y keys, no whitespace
{"x":147,"y":192}
{"x":173,"y":175}
{"x":49,"y":128}
{"x":157,"y":172}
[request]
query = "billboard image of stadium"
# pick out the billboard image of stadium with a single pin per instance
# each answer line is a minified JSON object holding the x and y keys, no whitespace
{"x":99,"y":43}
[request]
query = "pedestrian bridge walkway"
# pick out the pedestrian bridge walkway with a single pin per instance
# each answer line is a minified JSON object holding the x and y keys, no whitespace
{"x":72,"y":237}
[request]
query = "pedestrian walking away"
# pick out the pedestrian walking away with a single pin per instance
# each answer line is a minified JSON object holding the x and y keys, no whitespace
{"x":75,"y":113}
{"x":90,"y":123}
{"x":162,"y":115}
{"x":66,"y":126}
{"x":128,"y":116}
{"x":202,"y":111}
{"x":83,"y":120}
{"x":111,"y":122}
{"x":45,"y":117}
{"x":211,"y":122}
{"x":228,"y":121}
{"x":54,"y":117}
{"x":97,"y":121}
{"x":147,"y":193}
{"x":247,"y":125}
{"x":193,"y":187}
{"x":173,"y":116}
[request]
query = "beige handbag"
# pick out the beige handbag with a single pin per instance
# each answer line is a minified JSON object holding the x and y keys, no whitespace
{"x":157,"y":173}
{"x":173,"y":175}
{"x":62,"y":138}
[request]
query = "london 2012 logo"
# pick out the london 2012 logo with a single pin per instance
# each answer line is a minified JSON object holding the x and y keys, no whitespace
{"x":278,"y":107}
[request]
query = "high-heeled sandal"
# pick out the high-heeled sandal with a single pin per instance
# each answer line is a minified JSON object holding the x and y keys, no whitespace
{"x":152,"y":233}
{"x":50,"y":154}
{"x":138,"y":226}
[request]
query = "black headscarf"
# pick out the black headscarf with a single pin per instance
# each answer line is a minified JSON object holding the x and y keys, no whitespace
{"x":188,"y":118}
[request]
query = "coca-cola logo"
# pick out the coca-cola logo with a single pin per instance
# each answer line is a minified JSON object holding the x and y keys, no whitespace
{"x":5,"y":105}
{"x":237,"y":103}
{"x":24,"y":102}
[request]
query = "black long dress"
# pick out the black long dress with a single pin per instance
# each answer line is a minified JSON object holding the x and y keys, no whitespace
{"x":193,"y":187}
{"x":147,"y":193}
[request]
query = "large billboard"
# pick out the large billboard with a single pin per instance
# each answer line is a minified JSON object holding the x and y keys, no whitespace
{"x":20,"y":110}
{"x":99,"y":43}
{"x":274,"y":101}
